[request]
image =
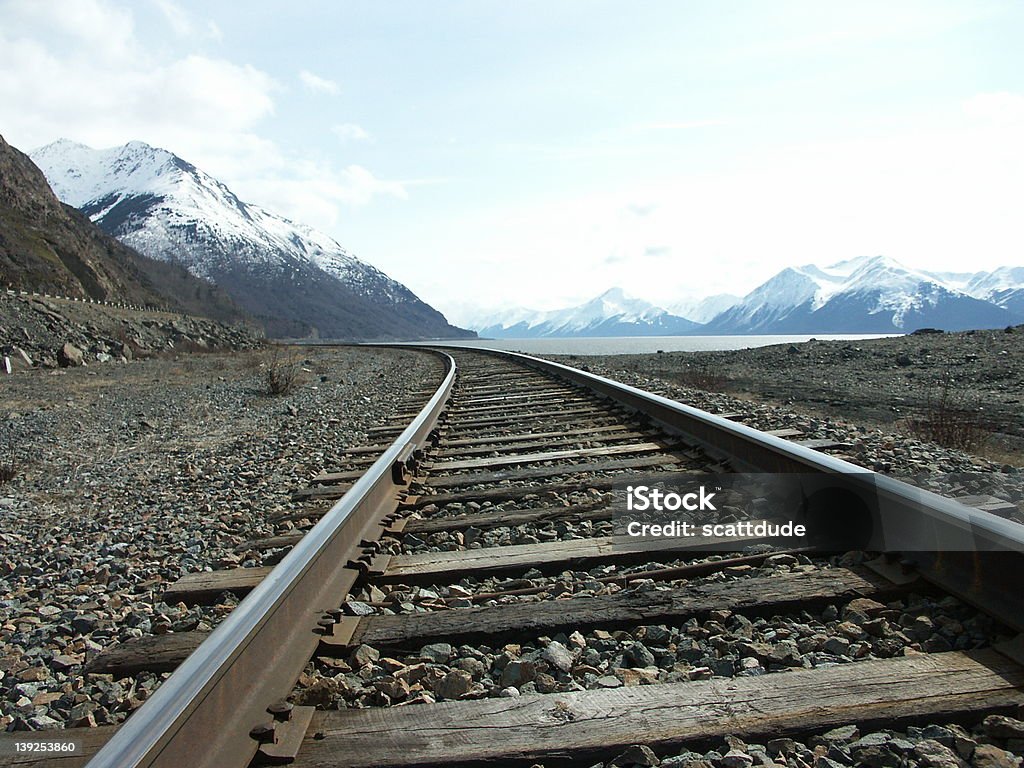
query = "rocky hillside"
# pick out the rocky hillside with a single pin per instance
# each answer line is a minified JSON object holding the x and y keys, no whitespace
{"x":52,"y":332}
{"x":50,"y":247}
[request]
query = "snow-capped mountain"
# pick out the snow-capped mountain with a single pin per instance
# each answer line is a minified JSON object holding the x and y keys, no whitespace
{"x":1003,"y":286}
{"x":862,"y":295}
{"x":610,"y":314}
{"x":297,"y":280}
{"x":703,"y":310}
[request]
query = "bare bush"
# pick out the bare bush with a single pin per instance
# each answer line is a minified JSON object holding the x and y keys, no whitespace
{"x":8,"y":464}
{"x":701,"y":374}
{"x":952,"y":417}
{"x":282,"y":370}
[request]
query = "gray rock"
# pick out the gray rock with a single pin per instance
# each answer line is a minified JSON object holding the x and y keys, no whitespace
{"x":686,"y":760}
{"x":357,"y":608}
{"x":439,"y":653}
{"x":518,"y":673}
{"x":42,"y":723}
{"x":638,"y":655}
{"x":558,"y":656}
{"x":84,"y":623}
{"x":734,"y":758}
{"x":837,"y":646}
{"x":842,"y":735}
{"x":363,"y":655}
{"x":474,"y":667}
{"x":1003,"y":727}
{"x":932,"y":754}
{"x":636,"y":755}
{"x":455,"y":684}
{"x":782,"y":746}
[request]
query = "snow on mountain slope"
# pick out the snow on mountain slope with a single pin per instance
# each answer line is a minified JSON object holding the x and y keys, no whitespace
{"x":298,"y":280}
{"x":862,"y":295}
{"x":702,"y":310}
{"x":613,"y":313}
{"x":1003,"y":287}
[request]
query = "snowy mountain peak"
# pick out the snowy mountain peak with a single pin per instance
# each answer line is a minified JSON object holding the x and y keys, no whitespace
{"x":613,"y":313}
{"x":864,"y":294}
{"x":613,"y":295}
{"x":169,"y":209}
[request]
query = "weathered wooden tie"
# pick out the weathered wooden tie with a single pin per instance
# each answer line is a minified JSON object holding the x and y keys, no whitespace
{"x":587,"y":726}
{"x":759,"y":594}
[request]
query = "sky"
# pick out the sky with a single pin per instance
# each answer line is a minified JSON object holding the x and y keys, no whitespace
{"x":534,"y":153}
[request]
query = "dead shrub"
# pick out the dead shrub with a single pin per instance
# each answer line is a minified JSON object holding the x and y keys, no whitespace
{"x":951,"y":416}
{"x":701,"y":374}
{"x":8,"y":464}
{"x":281,"y":372}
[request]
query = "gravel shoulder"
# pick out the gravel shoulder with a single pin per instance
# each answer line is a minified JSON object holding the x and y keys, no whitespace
{"x":130,"y":475}
{"x":877,"y":383}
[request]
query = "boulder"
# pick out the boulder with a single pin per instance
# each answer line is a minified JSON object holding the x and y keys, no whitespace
{"x":70,"y":356}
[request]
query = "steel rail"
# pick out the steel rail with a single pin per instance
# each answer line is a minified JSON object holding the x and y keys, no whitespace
{"x":943,"y":538}
{"x":203,"y":713}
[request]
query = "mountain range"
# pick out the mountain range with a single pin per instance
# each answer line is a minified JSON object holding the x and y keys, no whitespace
{"x":864,"y":295}
{"x":295,"y":280}
{"x":610,"y":314}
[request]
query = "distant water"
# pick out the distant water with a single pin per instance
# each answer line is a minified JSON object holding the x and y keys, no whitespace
{"x":647,"y":344}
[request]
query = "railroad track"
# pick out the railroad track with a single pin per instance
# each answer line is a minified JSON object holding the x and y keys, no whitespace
{"x":456,"y":593}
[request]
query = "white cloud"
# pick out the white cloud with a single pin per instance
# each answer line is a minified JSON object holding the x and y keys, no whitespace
{"x":107,"y":30}
{"x":175,"y":16}
{"x":79,"y":70}
{"x":350,"y":132}
{"x":318,"y":84}
{"x":945,"y":200}
{"x":182,"y":23}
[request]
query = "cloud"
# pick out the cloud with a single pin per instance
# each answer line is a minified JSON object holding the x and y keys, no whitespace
{"x":109,"y":31}
{"x":80,"y":70}
{"x":944,"y":199}
{"x":350,"y":132}
{"x":182,"y":23}
{"x":318,"y":84}
{"x":175,"y":16}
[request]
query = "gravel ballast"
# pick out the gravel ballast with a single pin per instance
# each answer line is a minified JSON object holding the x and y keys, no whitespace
{"x":129,"y":476}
